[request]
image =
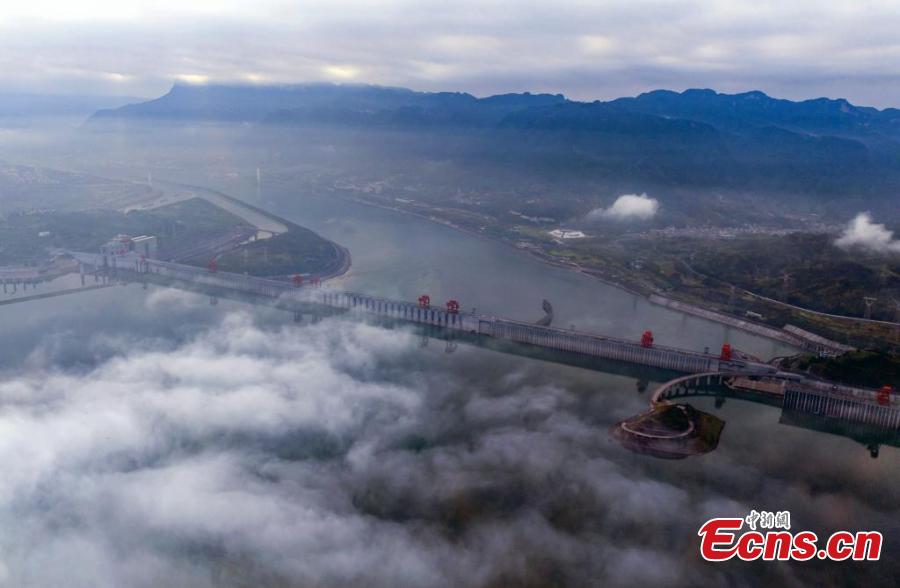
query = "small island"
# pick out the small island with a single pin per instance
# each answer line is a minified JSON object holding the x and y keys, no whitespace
{"x":670,"y":431}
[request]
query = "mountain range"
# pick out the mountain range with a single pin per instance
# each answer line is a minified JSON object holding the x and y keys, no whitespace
{"x":358,"y":104}
{"x":696,"y":138}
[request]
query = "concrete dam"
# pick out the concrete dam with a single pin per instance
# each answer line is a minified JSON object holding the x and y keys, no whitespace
{"x":300,"y":295}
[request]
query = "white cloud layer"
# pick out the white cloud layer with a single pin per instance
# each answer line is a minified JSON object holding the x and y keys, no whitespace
{"x":863,"y":233}
{"x":330,"y":455}
{"x":584,"y":49}
{"x":627,"y":207}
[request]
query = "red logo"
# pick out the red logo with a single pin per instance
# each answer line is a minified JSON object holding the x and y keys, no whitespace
{"x":721,"y":541}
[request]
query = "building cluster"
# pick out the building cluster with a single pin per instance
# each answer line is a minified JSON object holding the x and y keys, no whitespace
{"x":715,"y":232}
{"x":567,"y":234}
{"x":144,"y":245}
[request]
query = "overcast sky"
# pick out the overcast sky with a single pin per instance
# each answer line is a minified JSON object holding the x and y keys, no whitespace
{"x":585,"y":49}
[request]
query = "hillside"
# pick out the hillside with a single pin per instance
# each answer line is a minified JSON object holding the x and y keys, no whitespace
{"x":812,"y":151}
{"x":820,"y":116}
{"x":351,"y":104}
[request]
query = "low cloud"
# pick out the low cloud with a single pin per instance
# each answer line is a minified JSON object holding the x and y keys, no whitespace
{"x":584,"y":49}
{"x":862,"y":233}
{"x":317,"y":455}
{"x":627,"y":207}
{"x":327,"y":455}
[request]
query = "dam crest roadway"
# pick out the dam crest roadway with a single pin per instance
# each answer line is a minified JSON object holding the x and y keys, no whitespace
{"x":799,"y":393}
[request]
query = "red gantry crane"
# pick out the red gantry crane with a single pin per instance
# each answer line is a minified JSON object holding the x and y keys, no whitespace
{"x":726,"y":352}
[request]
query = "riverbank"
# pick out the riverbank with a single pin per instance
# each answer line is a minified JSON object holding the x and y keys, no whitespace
{"x":275,"y":236}
{"x":792,"y":338}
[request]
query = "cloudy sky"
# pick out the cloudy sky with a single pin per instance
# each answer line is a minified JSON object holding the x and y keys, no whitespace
{"x":585,"y":49}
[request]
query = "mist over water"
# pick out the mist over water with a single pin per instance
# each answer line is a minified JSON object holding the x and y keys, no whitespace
{"x":151,"y":439}
{"x":180,"y":444}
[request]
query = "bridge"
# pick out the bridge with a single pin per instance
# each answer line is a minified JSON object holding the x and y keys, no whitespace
{"x":804,"y":401}
{"x":302,"y":295}
{"x":791,"y":392}
{"x":866,"y":416}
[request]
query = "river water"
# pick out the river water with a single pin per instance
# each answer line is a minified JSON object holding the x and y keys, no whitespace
{"x":169,"y":441}
{"x":403,"y":256}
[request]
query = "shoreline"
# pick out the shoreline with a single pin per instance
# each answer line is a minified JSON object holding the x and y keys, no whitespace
{"x":344,"y":258}
{"x":760,"y":330}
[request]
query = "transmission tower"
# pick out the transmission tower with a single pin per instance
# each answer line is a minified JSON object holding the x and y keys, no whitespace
{"x":869,"y":301}
{"x":897,"y":319}
{"x":785,"y":285}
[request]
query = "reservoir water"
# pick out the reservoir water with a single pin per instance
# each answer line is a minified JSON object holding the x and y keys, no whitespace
{"x":173,"y":442}
{"x":403,"y":256}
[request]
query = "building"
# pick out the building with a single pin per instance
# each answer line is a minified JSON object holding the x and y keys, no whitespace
{"x":144,"y":245}
{"x":567,"y":234}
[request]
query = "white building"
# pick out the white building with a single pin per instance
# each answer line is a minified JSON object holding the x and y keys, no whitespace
{"x":567,"y":234}
{"x":120,"y":245}
{"x":145,"y":245}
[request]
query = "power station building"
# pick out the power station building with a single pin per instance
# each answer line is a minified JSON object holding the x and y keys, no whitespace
{"x":145,"y":245}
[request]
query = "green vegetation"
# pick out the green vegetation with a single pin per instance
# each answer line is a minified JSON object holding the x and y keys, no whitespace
{"x":801,"y":269}
{"x":177,"y":226}
{"x":27,"y":238}
{"x":806,"y":270}
{"x":871,"y":369}
{"x":701,"y":271}
{"x":297,"y":251}
{"x":665,"y":431}
{"x":24,"y":188}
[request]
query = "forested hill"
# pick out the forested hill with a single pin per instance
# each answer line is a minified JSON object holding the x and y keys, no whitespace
{"x":386,"y":105}
{"x":829,"y":149}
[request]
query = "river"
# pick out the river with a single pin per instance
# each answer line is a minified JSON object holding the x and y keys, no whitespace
{"x":164,"y":438}
{"x":403,"y":256}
